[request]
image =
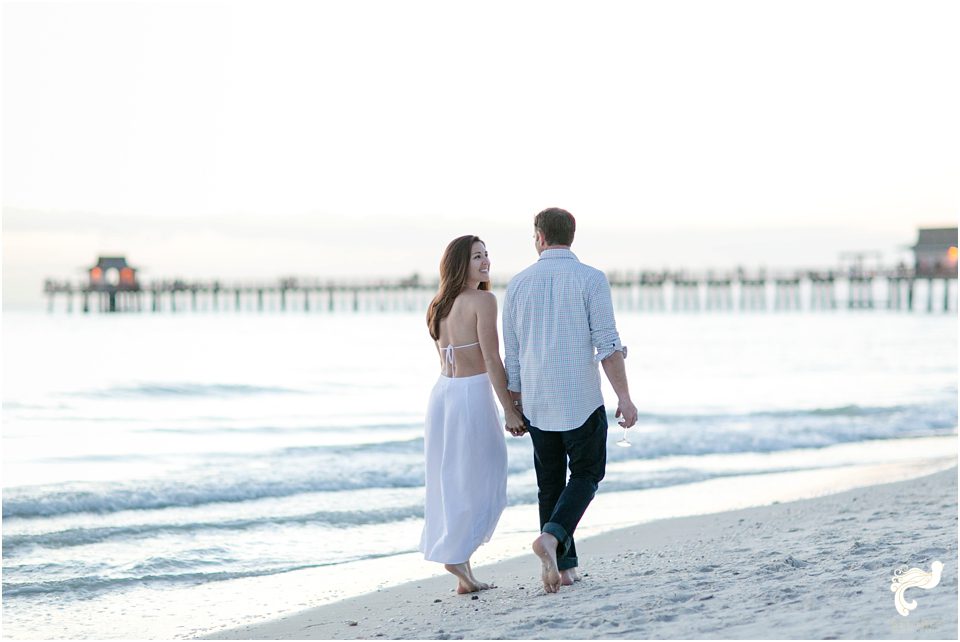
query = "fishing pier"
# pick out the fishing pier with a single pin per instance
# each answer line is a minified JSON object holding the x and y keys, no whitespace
{"x":929,"y":286}
{"x":660,"y":292}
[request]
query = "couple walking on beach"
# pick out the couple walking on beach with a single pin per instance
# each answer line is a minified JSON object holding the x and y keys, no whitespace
{"x":558,"y":325}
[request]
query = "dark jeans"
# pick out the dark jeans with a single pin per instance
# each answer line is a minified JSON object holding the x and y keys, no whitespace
{"x":562,"y":502}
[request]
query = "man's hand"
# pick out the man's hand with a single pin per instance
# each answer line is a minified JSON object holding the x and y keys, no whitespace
{"x":628,"y":411}
{"x":613,"y":367}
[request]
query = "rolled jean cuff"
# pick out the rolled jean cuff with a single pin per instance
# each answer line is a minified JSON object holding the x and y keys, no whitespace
{"x":558,"y":531}
{"x":565,"y":563}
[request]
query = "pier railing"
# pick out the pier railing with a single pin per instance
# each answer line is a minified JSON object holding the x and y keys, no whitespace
{"x":635,"y":291}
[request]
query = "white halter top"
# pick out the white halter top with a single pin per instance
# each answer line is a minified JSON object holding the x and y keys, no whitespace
{"x":448,"y":354}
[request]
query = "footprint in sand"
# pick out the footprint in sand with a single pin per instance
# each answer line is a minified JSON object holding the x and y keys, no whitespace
{"x":859,"y":548}
{"x":796,"y":563}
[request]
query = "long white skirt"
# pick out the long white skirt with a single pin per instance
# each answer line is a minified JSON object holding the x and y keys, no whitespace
{"x":466,"y":469}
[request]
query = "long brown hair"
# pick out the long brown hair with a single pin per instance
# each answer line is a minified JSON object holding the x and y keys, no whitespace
{"x":454,"y":270}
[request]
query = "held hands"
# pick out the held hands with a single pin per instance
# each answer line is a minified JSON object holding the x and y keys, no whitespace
{"x":513,"y":422}
{"x":628,"y":411}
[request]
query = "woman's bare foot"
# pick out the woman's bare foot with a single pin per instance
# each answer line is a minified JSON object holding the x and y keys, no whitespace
{"x":569,"y":576}
{"x":545,"y":547}
{"x":462,"y":573}
{"x":466,"y":588}
{"x":483,"y":586}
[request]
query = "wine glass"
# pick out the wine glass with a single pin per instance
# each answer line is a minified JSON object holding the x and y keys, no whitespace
{"x":623,"y":442}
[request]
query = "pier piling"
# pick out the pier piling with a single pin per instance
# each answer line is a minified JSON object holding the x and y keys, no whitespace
{"x":645,"y":292}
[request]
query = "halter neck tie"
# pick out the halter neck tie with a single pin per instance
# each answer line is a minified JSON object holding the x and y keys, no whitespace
{"x":449,"y":357}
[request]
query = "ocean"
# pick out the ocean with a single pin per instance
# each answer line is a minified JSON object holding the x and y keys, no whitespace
{"x":165,"y":473}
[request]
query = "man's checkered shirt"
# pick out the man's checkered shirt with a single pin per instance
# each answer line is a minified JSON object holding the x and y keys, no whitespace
{"x":557,"y":326}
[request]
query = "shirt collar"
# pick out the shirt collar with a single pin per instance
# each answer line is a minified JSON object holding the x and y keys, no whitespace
{"x":559,"y":253}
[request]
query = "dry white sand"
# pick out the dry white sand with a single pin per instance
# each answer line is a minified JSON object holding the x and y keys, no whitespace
{"x":815,"y":568}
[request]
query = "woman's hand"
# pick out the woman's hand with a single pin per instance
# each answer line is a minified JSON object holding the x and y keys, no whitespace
{"x":513,"y":423}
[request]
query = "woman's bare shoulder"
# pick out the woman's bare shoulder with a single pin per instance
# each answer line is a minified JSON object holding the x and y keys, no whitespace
{"x":479,"y":295}
{"x":479,"y":299}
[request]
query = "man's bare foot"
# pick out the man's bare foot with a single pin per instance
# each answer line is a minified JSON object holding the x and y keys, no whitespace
{"x":569,"y":576}
{"x":545,"y":547}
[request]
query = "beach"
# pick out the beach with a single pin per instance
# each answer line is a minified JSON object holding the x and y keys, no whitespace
{"x":818,"y":568}
{"x":157,"y":502}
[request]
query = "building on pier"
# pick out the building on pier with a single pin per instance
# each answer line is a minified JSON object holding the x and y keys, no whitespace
{"x":114,"y":284}
{"x":112,"y":274}
{"x":935,"y":252}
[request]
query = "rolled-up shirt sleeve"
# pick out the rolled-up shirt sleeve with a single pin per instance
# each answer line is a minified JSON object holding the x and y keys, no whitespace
{"x":511,"y":345}
{"x":603,"y":327}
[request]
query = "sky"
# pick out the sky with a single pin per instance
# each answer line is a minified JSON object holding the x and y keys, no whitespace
{"x":252,"y":140}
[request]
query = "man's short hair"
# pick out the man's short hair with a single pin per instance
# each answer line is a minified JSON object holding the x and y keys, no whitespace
{"x":557,"y":225}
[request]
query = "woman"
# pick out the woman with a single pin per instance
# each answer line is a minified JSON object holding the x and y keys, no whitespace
{"x":466,"y":457}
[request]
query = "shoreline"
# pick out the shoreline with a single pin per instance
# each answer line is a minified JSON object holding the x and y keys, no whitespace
{"x":809,"y":568}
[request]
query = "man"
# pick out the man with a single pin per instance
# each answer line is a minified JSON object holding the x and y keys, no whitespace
{"x":557,"y":324}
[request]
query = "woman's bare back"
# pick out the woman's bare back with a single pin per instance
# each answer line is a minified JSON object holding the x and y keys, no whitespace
{"x":459,"y":328}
